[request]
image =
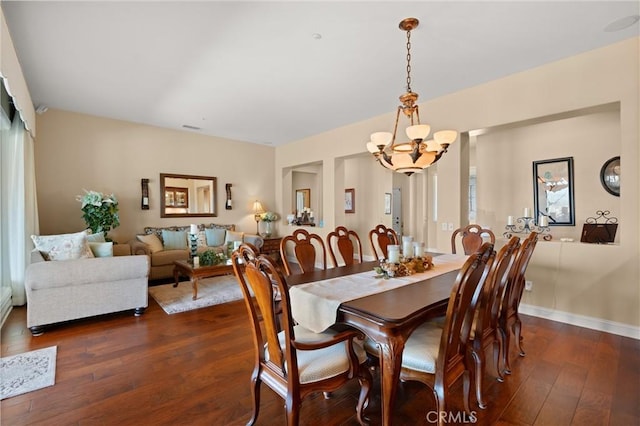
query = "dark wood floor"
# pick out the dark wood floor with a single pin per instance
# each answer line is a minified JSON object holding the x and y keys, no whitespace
{"x":193,"y":369}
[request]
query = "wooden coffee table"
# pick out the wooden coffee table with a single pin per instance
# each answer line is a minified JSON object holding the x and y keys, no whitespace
{"x":186,"y":268}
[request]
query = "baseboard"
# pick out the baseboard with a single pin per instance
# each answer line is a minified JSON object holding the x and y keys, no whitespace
{"x":582,"y":321}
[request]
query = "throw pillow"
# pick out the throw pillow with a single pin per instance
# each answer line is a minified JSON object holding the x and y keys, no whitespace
{"x":215,"y":236}
{"x":63,"y":246}
{"x":96,"y":238}
{"x":101,"y":249}
{"x":202,"y":239}
{"x":152,"y":241}
{"x":174,"y":240}
{"x":234,"y":236}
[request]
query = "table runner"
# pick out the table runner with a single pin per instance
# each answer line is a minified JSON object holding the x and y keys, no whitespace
{"x":315,"y":305}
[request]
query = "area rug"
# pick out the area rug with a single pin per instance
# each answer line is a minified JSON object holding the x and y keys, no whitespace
{"x":27,"y":372}
{"x":211,"y":291}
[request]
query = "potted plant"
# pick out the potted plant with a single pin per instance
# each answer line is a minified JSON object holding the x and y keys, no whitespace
{"x":100,"y":212}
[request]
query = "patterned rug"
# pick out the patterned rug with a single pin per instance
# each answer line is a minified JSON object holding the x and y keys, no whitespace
{"x":27,"y":372}
{"x":211,"y":291}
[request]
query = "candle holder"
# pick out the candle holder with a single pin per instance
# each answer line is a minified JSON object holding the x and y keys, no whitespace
{"x":526,"y":225}
{"x":194,"y":245}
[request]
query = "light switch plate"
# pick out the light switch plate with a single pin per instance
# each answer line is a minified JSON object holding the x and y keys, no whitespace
{"x":444,"y":226}
{"x":451,"y":227}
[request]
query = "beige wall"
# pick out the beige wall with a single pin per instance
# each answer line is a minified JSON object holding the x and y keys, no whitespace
{"x":76,"y":152}
{"x":580,"y":279}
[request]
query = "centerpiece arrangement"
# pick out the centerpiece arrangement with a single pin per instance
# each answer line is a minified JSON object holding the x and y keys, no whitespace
{"x":404,"y":267}
{"x":100,"y":211}
{"x":211,"y":258}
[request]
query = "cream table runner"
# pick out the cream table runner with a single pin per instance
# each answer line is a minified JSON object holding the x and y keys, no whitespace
{"x":314,"y":305}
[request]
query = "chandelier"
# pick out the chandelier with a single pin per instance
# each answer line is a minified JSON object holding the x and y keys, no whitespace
{"x":418,"y":153}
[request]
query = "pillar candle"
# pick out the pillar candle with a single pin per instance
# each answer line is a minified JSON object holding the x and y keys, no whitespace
{"x":510,"y":220}
{"x":393,"y":251}
{"x":527,"y":213}
{"x":418,"y":249}
{"x":196,"y":261}
{"x":407,"y":249}
{"x":194,"y":229}
{"x":543,"y":221}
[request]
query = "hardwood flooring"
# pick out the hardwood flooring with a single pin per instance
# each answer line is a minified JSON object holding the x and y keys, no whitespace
{"x":193,"y":368}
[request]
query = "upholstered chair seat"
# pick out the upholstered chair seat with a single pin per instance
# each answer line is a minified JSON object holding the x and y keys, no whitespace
{"x":324,"y":363}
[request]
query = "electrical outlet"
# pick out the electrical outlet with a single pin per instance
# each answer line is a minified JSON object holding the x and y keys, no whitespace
{"x":528,"y":285}
{"x":451,"y":227}
{"x":444,"y":226}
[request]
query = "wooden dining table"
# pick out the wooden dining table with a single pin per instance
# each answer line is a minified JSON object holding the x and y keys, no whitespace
{"x":388,"y":317}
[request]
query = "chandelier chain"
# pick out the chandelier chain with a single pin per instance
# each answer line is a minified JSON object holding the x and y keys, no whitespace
{"x":409,"y":61}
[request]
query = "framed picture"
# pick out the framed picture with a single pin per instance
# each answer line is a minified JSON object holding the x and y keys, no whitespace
{"x":350,"y":200}
{"x":553,"y":191}
{"x":387,"y":203}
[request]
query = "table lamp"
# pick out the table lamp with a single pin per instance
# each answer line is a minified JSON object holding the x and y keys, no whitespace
{"x":257,"y":211}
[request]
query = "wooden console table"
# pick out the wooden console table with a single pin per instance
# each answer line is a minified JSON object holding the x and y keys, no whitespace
{"x":271,"y":247}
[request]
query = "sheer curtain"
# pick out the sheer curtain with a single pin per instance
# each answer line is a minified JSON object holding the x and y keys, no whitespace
{"x":18,"y":209}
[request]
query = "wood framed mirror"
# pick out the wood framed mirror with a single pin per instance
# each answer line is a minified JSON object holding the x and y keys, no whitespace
{"x":303,"y":199}
{"x":187,"y":195}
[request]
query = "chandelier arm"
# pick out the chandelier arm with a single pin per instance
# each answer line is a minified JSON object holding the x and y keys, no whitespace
{"x":395,"y":128}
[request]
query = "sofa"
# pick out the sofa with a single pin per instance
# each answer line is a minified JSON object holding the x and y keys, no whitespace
{"x":78,"y":288}
{"x":164,"y":245}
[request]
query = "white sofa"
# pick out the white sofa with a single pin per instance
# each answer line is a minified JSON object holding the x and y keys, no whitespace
{"x":71,"y":289}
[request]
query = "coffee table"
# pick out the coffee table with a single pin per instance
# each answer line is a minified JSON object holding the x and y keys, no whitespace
{"x":186,"y":268}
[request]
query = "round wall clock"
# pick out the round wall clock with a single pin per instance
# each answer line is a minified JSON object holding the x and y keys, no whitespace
{"x":610,"y":176}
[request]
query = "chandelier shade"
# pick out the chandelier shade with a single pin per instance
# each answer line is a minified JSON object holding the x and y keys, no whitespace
{"x":417,"y":153}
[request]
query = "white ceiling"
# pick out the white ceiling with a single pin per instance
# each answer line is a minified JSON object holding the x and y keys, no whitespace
{"x":252,"y":71}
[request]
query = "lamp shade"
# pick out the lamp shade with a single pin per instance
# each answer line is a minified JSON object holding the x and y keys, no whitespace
{"x":372,"y":148}
{"x":381,"y":138}
{"x":445,"y":136}
{"x":257,"y":207}
{"x":418,"y":131}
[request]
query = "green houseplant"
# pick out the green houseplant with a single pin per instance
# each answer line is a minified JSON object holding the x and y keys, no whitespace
{"x":100,"y":211}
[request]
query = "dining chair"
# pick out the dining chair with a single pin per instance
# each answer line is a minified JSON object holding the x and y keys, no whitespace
{"x":471,"y":237}
{"x":381,"y":237}
{"x":509,"y":319}
{"x":439,"y":356}
{"x":293,"y":361}
{"x":343,"y":240}
{"x":304,"y":250}
{"x":485,"y":326}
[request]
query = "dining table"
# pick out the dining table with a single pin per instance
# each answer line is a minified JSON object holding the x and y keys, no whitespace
{"x":385,"y":310}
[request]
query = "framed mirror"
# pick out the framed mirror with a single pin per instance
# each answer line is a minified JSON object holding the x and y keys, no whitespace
{"x":187,"y":196}
{"x":303,"y":199}
{"x":553,"y":191}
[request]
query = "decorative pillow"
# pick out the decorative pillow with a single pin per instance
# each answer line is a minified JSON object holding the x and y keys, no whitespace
{"x":174,"y":240}
{"x":152,"y":241}
{"x":96,"y":238}
{"x":63,"y":246}
{"x":215,"y":236}
{"x":202,"y":239}
{"x":234,"y":236}
{"x":101,"y":249}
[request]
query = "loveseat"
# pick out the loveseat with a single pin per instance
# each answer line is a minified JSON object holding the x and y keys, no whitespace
{"x":164,"y":245}
{"x":62,"y":290}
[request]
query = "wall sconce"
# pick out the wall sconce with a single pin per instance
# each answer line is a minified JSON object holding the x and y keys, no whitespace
{"x":257,"y":211}
{"x":144,"y":202}
{"x":228,"y":203}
